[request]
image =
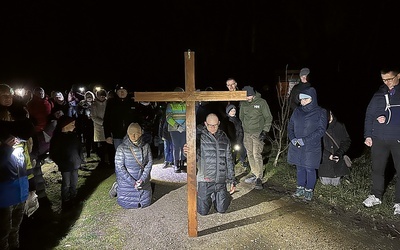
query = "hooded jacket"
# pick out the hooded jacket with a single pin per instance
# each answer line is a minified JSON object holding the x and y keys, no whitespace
{"x":255,"y":115}
{"x":308,"y":123}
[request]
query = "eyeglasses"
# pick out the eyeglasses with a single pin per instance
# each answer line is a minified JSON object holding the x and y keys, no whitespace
{"x":231,"y":85}
{"x":212,"y":125}
{"x":389,"y":79}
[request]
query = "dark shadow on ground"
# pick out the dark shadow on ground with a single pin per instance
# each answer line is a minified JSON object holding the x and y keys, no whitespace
{"x":45,"y":228}
{"x":163,"y":188}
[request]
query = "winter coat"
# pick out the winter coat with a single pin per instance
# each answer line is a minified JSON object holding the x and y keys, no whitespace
{"x":128,"y":171}
{"x":66,"y":151}
{"x":329,"y":168}
{"x":16,"y":178}
{"x":98,"y":110}
{"x":119,"y":114}
{"x":294,"y":100}
{"x":214,"y":158}
{"x":232,"y":126}
{"x":255,"y":115}
{"x":176,"y":115}
{"x":390,"y":130}
{"x":39,"y":111}
{"x":308,"y":123}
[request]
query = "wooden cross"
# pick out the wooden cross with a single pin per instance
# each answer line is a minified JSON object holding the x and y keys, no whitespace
{"x":190,"y":96}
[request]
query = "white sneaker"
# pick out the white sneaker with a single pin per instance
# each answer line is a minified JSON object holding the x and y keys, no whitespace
{"x":372,"y":201}
{"x":251,"y":179}
{"x":396,"y":208}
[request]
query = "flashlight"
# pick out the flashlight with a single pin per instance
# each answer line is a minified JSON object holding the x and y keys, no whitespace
{"x":20,"y":92}
{"x":236,"y":147}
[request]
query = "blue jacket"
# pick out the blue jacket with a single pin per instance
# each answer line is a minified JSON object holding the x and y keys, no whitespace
{"x":378,"y":106}
{"x":308,"y":123}
{"x":128,"y":171}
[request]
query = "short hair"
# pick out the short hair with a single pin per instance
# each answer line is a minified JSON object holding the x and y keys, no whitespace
{"x":4,"y":88}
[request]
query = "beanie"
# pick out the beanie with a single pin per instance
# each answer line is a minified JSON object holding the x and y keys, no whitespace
{"x":304,"y":96}
{"x":250,"y":90}
{"x":304,"y":72}
{"x":229,"y":107}
{"x":64,"y":121}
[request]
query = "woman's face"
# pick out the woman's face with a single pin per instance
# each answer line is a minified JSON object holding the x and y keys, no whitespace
{"x":6,"y":99}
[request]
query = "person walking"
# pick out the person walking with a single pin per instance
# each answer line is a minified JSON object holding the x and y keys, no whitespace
{"x":256,"y":121}
{"x":307,"y":126}
{"x":215,"y":168}
{"x":382,"y":134}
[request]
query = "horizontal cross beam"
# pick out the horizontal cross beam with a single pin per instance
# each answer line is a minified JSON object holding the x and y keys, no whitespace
{"x":187,"y":96}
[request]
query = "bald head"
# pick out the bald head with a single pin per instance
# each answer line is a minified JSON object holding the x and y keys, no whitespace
{"x":212,"y":123}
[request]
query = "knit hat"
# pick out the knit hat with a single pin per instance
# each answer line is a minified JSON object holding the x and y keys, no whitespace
{"x":64,"y":121}
{"x":250,"y":90}
{"x":304,"y":72}
{"x":229,"y":107}
{"x":304,"y":96}
{"x":134,"y":128}
{"x":120,"y":86}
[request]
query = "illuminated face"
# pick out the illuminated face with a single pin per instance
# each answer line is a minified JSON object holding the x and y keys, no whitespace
{"x":232,"y":112}
{"x":39,"y":93}
{"x":122,"y":93}
{"x":134,"y":134}
{"x":6,"y":99}
{"x":305,"y":101}
{"x":390,"y":79}
{"x":231,"y":85}
{"x":212,"y":123}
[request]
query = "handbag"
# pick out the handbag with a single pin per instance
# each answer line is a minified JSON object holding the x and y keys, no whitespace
{"x":346,"y":158}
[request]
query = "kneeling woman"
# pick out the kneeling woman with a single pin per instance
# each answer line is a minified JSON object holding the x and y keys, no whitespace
{"x":133,"y":163}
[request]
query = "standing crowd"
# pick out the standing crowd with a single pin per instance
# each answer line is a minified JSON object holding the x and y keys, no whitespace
{"x":67,"y":127}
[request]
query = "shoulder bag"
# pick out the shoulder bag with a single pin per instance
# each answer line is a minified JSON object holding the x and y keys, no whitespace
{"x":346,"y":158}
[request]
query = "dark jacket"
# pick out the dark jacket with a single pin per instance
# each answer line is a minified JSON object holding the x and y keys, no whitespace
{"x":308,"y":123}
{"x":66,"y":151}
{"x":133,"y":163}
{"x":119,"y":114}
{"x":232,"y":126}
{"x":294,"y":100}
{"x":214,"y":158}
{"x":330,"y":168}
{"x":390,"y":130}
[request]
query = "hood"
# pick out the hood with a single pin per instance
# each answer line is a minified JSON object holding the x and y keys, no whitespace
{"x":314,"y":101}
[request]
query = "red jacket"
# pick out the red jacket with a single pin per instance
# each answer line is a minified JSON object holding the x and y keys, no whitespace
{"x":39,"y":111}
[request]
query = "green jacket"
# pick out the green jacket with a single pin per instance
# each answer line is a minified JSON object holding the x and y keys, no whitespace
{"x":255,"y":115}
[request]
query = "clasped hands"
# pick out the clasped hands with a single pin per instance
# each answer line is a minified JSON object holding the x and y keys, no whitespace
{"x":297,"y":142}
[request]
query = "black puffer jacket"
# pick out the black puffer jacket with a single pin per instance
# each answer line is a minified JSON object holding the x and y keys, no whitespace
{"x":214,"y":158}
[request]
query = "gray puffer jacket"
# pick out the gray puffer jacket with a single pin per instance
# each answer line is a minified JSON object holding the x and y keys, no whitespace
{"x":128,"y":171}
{"x":214,"y":158}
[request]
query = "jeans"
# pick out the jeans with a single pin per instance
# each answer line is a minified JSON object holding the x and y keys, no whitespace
{"x":178,"y":140}
{"x":10,"y":222}
{"x":306,"y":177}
{"x":168,"y":151}
{"x":380,"y":152}
{"x":254,"y":149}
{"x":68,"y":185}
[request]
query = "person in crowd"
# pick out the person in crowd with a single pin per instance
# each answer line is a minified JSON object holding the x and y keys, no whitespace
{"x":234,"y":130}
{"x":120,"y":112}
{"x":39,"y":109}
{"x":60,"y":106}
{"x":382,"y":133}
{"x":133,"y":164}
{"x":147,"y":114}
{"x":306,"y":127}
{"x":167,"y":141}
{"x":215,"y":168}
{"x":304,"y":83}
{"x":176,"y":119}
{"x":85,"y":127}
{"x":98,"y":109}
{"x":336,"y":142}
{"x":16,"y":178}
{"x":256,"y":121}
{"x":66,"y":151}
{"x":74,"y":97}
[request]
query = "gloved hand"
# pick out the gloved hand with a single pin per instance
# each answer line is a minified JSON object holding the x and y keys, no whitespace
{"x":263,"y":135}
{"x":294,"y":141}
{"x":180,"y":129}
{"x":300,"y":141}
{"x":138,"y":184}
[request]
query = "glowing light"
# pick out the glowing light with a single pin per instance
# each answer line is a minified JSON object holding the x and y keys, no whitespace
{"x":236,"y":147}
{"x":20,"y":92}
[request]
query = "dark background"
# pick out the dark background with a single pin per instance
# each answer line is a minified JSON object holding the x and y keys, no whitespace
{"x":56,"y":44}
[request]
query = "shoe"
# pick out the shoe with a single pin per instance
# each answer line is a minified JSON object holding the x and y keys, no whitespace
{"x":166,"y":164}
{"x":308,"y":194}
{"x":396,"y":208}
{"x":177,"y":169}
{"x":372,"y":201}
{"x":113,"y":190}
{"x":251,"y":179}
{"x":299,"y":192}
{"x":259,"y":185}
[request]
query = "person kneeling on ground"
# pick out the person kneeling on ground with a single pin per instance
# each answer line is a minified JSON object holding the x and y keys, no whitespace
{"x":133,"y":163}
{"x":215,"y":168}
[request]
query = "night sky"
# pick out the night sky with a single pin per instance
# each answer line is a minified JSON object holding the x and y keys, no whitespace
{"x":56,"y":44}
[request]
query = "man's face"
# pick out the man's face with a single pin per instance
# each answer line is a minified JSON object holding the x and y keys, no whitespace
{"x":122,"y":93}
{"x":303,"y":78}
{"x":39,"y":93}
{"x":390,"y":79}
{"x":212,"y":124}
{"x":250,"y":98}
{"x":6,"y":99}
{"x":231,"y":85}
